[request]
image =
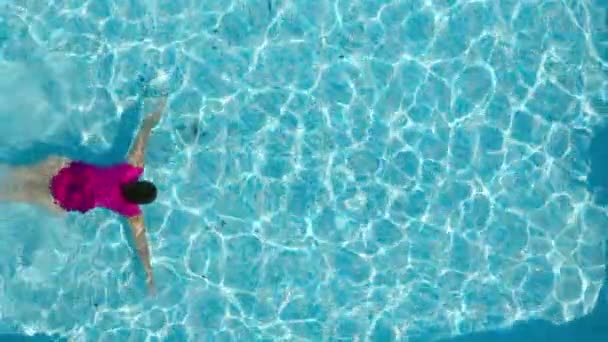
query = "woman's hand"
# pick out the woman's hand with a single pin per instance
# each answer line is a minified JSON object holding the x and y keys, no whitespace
{"x":154,"y":117}
{"x":136,"y":154}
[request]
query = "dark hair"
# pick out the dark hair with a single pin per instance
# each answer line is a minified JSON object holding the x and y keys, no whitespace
{"x":139,"y":192}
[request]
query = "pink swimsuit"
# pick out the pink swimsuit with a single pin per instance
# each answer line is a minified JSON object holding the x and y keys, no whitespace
{"x":82,"y":187}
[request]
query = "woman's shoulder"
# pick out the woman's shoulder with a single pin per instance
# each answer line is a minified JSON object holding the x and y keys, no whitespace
{"x":127,"y":171}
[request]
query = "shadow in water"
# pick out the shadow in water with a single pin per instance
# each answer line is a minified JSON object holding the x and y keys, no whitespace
{"x":597,"y":180}
{"x":72,"y":148}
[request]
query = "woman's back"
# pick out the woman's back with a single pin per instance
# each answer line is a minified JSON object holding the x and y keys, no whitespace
{"x":81,"y":187}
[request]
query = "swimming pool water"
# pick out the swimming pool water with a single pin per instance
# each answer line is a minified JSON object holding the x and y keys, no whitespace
{"x":329,"y":170}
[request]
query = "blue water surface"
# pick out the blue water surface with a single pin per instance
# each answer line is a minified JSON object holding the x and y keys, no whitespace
{"x":328,"y":170}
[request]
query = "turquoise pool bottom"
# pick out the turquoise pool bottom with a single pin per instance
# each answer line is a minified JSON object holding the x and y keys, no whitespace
{"x":326,"y":169}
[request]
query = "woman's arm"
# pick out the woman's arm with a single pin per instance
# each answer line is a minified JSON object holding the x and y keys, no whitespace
{"x":138,"y":229}
{"x":136,"y":154}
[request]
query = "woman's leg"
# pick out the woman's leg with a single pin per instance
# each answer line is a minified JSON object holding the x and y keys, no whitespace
{"x":12,"y":185}
{"x":31,"y":184}
{"x":45,"y":170}
{"x":41,"y":175}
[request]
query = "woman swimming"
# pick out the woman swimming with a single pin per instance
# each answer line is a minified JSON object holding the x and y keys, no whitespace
{"x":61,"y":185}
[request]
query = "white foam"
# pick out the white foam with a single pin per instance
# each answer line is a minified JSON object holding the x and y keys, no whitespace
{"x":161,"y":79}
